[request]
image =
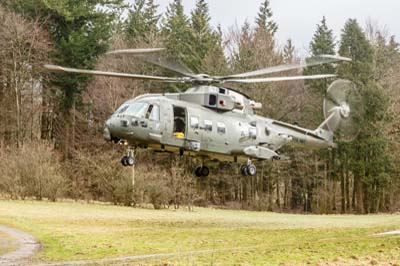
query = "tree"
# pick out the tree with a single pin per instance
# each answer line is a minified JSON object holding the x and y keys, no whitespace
{"x":142,"y":22}
{"x":24,"y":46}
{"x":215,"y":62}
{"x":368,"y":158}
{"x":177,"y":32}
{"x":288,"y":52}
{"x":323,"y":42}
{"x":202,"y":39}
{"x":264,"y":19}
{"x":80,"y":31}
{"x":354,"y":44}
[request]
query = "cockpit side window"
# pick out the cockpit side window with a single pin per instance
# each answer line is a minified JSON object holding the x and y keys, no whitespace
{"x":122,"y":109}
{"x":137,"y":109}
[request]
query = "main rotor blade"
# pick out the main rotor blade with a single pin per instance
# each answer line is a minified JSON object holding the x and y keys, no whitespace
{"x":54,"y":68}
{"x":137,"y":51}
{"x":274,"y":79}
{"x":313,"y":61}
{"x":149,"y":56}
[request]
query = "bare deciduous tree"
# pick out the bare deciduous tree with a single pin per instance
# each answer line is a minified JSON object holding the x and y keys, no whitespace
{"x":24,"y":46}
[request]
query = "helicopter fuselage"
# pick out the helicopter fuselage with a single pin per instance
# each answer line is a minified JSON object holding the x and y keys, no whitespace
{"x":165,"y":122}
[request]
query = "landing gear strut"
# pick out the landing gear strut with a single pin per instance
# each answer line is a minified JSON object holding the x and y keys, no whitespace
{"x":248,"y":169}
{"x":129,"y":159}
{"x":202,"y":171}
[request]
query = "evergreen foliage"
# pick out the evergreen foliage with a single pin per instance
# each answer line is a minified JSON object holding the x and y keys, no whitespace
{"x":354,"y":44}
{"x":369,"y":159}
{"x":203,"y":39}
{"x":264,"y":19}
{"x":142,"y":22}
{"x":323,"y":42}
{"x":176,"y":31}
{"x":288,"y":52}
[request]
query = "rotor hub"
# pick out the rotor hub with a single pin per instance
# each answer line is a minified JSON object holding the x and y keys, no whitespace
{"x":345,"y":109}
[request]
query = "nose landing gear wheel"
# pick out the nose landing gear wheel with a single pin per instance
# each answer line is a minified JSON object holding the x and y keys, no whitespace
{"x":128,"y":161}
{"x":123,"y":161}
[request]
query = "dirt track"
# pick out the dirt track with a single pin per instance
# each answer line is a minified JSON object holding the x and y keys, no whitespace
{"x":27,"y":246}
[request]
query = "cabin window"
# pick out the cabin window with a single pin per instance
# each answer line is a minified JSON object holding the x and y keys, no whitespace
{"x":221,"y":128}
{"x":253,"y":132}
{"x":194,"y":122}
{"x":154,"y":113}
{"x":212,"y":100}
{"x":222,"y":91}
{"x":208,"y":125}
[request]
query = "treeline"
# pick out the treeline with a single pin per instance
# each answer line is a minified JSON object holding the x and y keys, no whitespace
{"x":51,"y":142}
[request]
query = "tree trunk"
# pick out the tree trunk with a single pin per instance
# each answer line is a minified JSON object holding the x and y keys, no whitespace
{"x":359,"y":194}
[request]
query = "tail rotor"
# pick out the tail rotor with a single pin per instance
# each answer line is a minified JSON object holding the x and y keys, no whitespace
{"x":343,"y":110}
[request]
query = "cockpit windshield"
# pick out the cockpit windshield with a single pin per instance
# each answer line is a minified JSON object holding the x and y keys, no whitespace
{"x":137,"y":109}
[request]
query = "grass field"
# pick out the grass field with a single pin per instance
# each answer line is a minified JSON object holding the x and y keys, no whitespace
{"x":73,"y":231}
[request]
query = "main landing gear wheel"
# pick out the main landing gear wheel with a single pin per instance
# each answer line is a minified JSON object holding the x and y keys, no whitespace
{"x":251,"y":170}
{"x":202,"y":171}
{"x":248,"y":169}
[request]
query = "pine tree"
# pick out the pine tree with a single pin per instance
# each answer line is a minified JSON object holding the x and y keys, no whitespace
{"x":134,"y":27}
{"x":142,"y":21}
{"x":288,"y":52}
{"x":203,"y":39}
{"x":215,"y":62}
{"x":368,"y":155}
{"x":354,"y":44}
{"x":244,"y":54}
{"x":264,"y":19}
{"x":263,"y":38}
{"x":176,"y":31}
{"x":323,"y":42}
{"x":151,"y":16}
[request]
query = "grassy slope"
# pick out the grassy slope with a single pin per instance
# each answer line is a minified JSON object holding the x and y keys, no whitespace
{"x":79,"y":231}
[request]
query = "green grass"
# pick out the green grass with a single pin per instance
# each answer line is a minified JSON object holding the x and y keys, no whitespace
{"x":73,"y":231}
{"x":7,"y":243}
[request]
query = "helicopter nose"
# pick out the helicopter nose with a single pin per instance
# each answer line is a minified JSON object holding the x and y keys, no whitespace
{"x":106,"y":131}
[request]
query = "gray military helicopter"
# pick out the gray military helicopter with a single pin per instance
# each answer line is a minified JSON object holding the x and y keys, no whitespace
{"x":214,"y":122}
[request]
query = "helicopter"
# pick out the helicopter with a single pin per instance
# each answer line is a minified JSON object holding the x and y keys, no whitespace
{"x":214,"y":122}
